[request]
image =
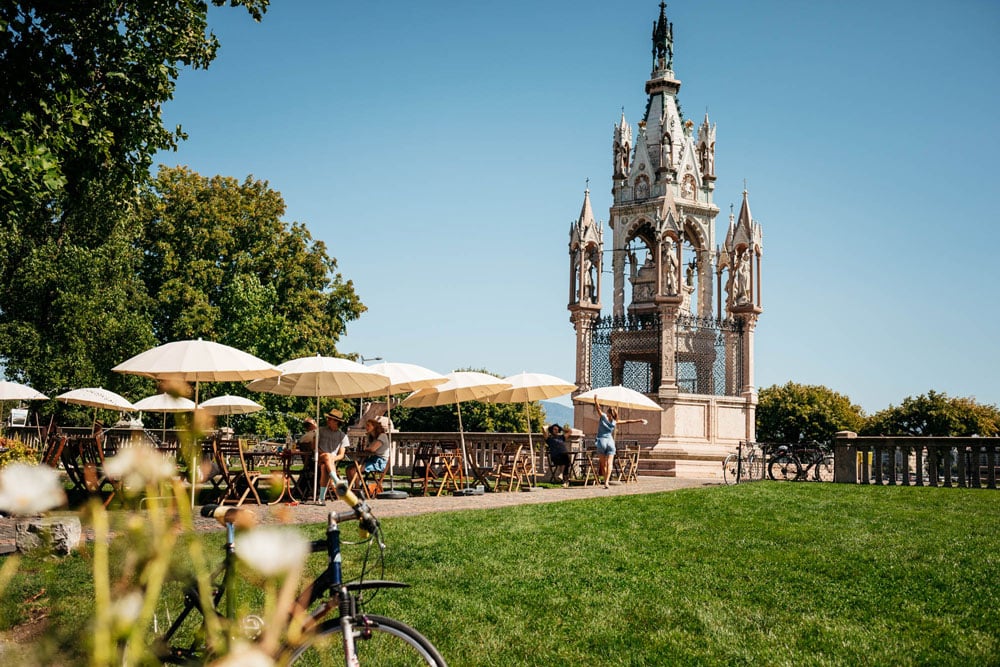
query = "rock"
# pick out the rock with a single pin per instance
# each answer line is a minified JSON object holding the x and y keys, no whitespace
{"x":61,"y":534}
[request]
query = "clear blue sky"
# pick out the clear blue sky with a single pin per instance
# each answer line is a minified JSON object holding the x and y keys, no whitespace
{"x":440,"y":149}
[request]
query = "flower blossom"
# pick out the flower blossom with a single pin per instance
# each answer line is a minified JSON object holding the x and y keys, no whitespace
{"x":138,"y":467}
{"x":30,"y":489}
{"x":272,"y":551}
{"x":244,"y":655}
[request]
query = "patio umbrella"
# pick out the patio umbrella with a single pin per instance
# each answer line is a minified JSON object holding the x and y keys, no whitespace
{"x":403,"y":378}
{"x":197,"y":361}
{"x":164,"y":403}
{"x":321,"y":377}
{"x":97,"y":397}
{"x":230,"y":405}
{"x":15,"y":391}
{"x":527,"y":387}
{"x":461,"y":386}
{"x":619,"y":397}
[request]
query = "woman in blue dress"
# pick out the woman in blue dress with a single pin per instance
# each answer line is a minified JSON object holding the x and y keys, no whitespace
{"x":605,"y":441}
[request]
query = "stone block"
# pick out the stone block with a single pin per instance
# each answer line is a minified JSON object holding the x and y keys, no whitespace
{"x":61,"y":534}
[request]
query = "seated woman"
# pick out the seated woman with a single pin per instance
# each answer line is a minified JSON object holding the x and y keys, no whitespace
{"x":376,"y":452}
{"x":557,"y":453}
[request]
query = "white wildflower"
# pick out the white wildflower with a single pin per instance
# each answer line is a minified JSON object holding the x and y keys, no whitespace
{"x":272,"y":551}
{"x":126,"y":610}
{"x":29,"y":489}
{"x":245,"y":655}
{"x":137,"y":467}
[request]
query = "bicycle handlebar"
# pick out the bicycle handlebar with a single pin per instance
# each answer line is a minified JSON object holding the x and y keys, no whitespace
{"x":240,"y":518}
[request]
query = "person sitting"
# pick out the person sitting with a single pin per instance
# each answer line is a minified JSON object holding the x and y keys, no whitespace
{"x":332,"y":444}
{"x":558,"y":456}
{"x":375,"y":451}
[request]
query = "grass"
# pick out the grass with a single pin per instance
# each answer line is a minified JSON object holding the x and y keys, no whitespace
{"x":767,"y":573}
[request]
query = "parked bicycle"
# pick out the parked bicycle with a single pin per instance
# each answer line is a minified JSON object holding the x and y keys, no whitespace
{"x":744,"y":465}
{"x":801,"y":462}
{"x":337,"y":630}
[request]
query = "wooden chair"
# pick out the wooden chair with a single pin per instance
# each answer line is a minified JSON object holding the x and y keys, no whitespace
{"x":508,"y":468}
{"x":590,"y":467}
{"x":423,"y":471}
{"x":240,"y":482}
{"x":95,"y":479}
{"x":629,"y":465}
{"x":368,"y":483}
{"x":52,"y":452}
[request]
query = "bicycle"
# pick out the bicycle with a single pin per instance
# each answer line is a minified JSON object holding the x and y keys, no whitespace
{"x":745,"y":464}
{"x":336,"y":629}
{"x":796,"y":462}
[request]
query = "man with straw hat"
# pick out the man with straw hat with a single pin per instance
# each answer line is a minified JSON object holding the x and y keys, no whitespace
{"x":333,"y":445}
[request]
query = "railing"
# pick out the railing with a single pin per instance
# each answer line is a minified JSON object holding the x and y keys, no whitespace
{"x":916,"y":461}
{"x":481,"y":448}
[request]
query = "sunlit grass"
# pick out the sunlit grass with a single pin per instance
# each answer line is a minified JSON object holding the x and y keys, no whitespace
{"x":766,"y":573}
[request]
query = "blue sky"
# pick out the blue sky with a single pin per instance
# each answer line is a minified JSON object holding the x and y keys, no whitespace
{"x":441,"y":150}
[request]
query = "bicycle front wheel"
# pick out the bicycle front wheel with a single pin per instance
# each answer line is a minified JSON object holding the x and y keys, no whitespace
{"x":378,"y":641}
{"x":824,"y":469}
{"x":784,"y":467}
{"x":730,"y":469}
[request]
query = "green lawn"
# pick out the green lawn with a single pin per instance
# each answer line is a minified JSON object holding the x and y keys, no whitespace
{"x":767,"y":573}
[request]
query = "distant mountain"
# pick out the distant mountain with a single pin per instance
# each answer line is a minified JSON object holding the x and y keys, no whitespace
{"x":557,"y":413}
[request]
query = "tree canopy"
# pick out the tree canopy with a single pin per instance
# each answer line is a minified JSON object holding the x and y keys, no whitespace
{"x":794,"y":413}
{"x":937,"y":414}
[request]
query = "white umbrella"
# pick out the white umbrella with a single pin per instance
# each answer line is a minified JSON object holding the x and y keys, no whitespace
{"x":15,"y":391}
{"x":461,"y":386}
{"x":197,"y":361}
{"x":322,"y":377}
{"x":97,"y":397}
{"x":619,"y":397}
{"x":230,"y":405}
{"x":527,"y":387}
{"x":164,"y":403}
{"x":403,"y":378}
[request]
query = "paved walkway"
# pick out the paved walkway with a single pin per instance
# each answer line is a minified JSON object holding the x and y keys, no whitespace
{"x":309,"y":513}
{"x":304,"y":513}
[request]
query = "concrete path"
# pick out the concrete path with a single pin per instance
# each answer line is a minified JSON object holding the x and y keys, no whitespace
{"x":382,"y":508}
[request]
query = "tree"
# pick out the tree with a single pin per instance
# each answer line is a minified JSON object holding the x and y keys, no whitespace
{"x":794,"y":413}
{"x":81,"y":90}
{"x":220,"y":263}
{"x":935,"y":414}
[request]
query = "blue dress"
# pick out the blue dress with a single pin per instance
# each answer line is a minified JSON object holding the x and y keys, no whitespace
{"x":605,"y":442}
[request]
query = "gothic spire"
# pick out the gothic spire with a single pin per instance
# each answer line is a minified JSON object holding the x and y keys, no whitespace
{"x":663,"y":41}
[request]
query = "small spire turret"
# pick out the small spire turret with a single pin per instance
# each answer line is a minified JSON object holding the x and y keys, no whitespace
{"x":663,"y":41}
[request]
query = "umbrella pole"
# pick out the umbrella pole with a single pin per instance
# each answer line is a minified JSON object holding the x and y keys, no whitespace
{"x":392,"y":493}
{"x":461,"y":437}
{"x":531,"y":446}
{"x":316,"y":455}
{"x":195,"y":453}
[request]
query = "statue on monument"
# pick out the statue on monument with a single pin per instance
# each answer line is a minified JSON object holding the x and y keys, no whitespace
{"x":669,"y":268}
{"x":742,"y":278}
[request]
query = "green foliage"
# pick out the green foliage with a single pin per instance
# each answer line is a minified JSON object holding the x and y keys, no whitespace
{"x":935,"y":414}
{"x":803,"y":413}
{"x":81,"y":91}
{"x":15,"y":451}
{"x":220,"y":263}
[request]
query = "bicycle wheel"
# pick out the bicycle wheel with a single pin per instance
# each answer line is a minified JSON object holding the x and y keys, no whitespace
{"x":754,"y":471}
{"x":383,"y":641}
{"x":824,"y":470}
{"x":730,"y":469}
{"x":784,"y":467}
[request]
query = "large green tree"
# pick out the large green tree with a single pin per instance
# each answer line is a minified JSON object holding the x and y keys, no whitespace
{"x":937,"y":414}
{"x":220,"y":263}
{"x":793,"y":413}
{"x":81,"y":90}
